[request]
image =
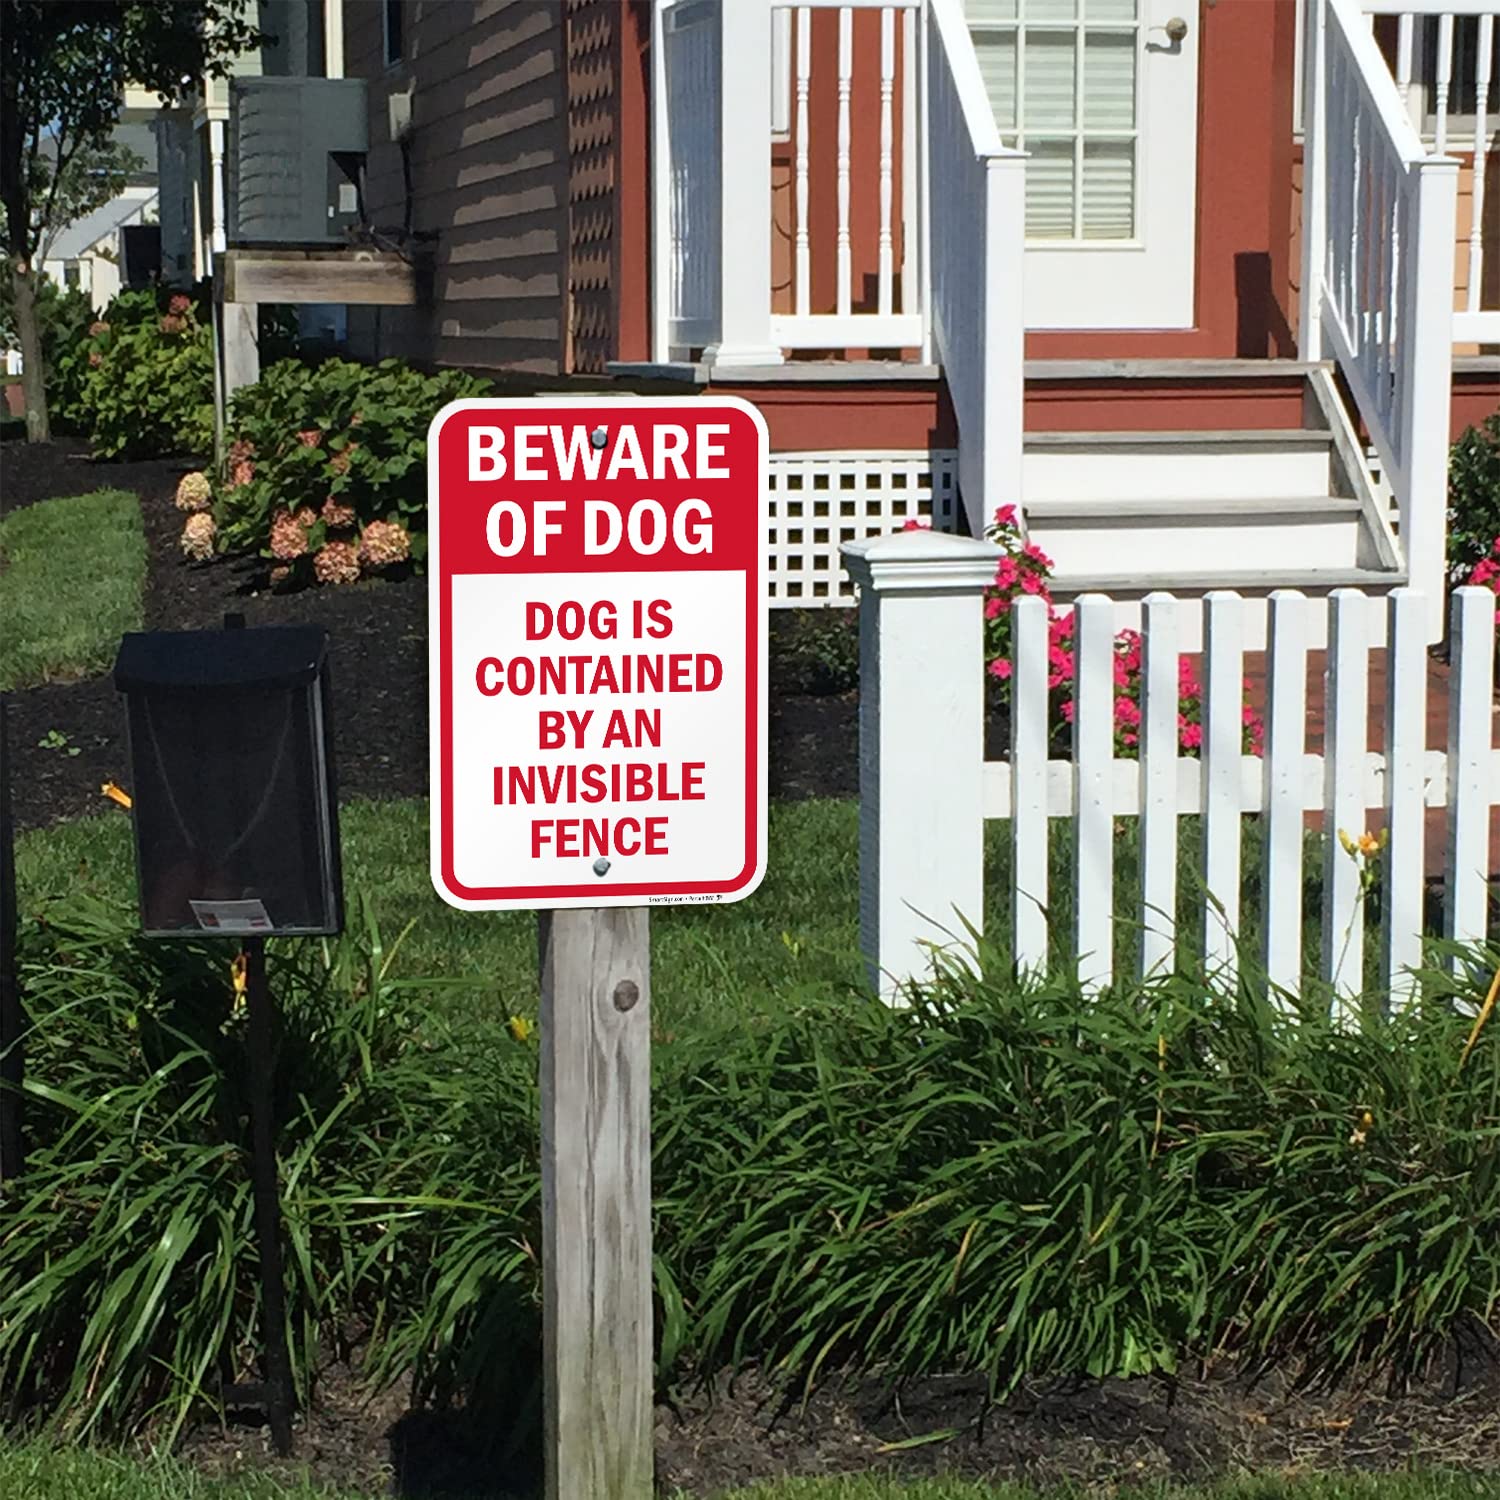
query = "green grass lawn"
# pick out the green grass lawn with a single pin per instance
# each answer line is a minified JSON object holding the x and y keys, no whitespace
{"x":799,"y":931}
{"x":72,"y":578}
{"x":36,"y":1472}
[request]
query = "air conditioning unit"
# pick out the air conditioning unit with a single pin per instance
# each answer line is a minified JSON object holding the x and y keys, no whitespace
{"x":297,"y":149}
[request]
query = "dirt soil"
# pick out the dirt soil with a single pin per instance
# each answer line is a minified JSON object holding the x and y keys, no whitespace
{"x":378,"y":651}
{"x":1104,"y":1436}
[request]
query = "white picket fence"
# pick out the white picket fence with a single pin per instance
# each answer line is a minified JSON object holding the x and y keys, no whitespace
{"x":926,"y":789}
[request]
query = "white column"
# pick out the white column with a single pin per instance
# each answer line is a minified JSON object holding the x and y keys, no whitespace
{"x":1314,"y":181}
{"x":333,"y":38}
{"x":744,"y":188}
{"x":218,"y":236}
{"x":921,"y":747}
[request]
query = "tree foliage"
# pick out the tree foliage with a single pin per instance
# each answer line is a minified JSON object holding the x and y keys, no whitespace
{"x":64,"y":65}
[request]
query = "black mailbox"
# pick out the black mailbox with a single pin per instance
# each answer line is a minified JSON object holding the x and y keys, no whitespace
{"x":236,"y":821}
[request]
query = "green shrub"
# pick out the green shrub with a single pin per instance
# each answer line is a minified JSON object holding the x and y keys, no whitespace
{"x":145,"y":377}
{"x":327,"y":470}
{"x":814,"y":651}
{"x":1013,"y":1180}
{"x":1026,"y":1183}
{"x":128,"y":1279}
{"x":1473,"y":497}
{"x":63,"y":316}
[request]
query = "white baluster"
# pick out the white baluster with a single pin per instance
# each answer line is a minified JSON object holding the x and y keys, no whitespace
{"x":909,"y":161}
{"x":1405,"y":747}
{"x":1405,"y":33}
{"x":1470,"y":707}
{"x":1483,"y":66}
{"x":846,"y":78}
{"x":887,"y":141}
{"x":1028,"y":796}
{"x":1444,"y":80}
{"x":1159,"y":761}
{"x":1093,"y":790}
{"x":1223,"y":737}
{"x":1285,"y":747}
{"x":1345,"y":714}
{"x":804,"y":84}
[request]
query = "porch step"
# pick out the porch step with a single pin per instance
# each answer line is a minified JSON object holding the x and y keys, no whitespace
{"x":1189,"y":512}
{"x":1202,"y":467}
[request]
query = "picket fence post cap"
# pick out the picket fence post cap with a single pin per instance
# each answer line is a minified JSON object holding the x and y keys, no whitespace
{"x":921,"y":561}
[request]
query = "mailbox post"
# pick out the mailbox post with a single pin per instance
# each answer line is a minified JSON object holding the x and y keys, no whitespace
{"x":236,"y":835}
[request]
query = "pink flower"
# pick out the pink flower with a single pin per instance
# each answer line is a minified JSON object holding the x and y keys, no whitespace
{"x":179,"y":304}
{"x":1127,"y":711}
{"x":1067,"y":711}
{"x":1191,"y":736}
{"x":170,"y":323}
{"x":311,"y":437}
{"x":198,"y":537}
{"x":995,"y":606}
{"x":336,"y":514}
{"x":1005,"y":516}
{"x":915,"y":525}
{"x":1031,"y":584}
{"x":289,"y":534}
{"x":1000,"y":668}
{"x":1036,"y":554}
{"x":97,"y":327}
{"x":1007,"y":572}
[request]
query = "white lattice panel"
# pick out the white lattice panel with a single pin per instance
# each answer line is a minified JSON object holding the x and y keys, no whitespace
{"x":821,"y":500}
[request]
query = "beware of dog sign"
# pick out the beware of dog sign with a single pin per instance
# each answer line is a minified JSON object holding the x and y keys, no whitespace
{"x":598,"y":651}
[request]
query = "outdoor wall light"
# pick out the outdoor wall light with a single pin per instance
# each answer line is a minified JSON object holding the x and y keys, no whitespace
{"x":236,"y":821}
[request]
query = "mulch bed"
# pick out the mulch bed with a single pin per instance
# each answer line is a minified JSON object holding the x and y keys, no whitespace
{"x":1100,"y":1433}
{"x":1104,"y":1436}
{"x":378,"y":656}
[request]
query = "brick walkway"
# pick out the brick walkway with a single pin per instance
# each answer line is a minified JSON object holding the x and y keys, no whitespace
{"x":1437,"y":735}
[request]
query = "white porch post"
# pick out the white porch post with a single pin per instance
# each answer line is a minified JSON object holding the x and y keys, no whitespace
{"x":1314,"y":181}
{"x":921,"y":747}
{"x":744,"y":187}
{"x":219,"y":238}
{"x":1427,"y":311}
{"x":333,"y":38}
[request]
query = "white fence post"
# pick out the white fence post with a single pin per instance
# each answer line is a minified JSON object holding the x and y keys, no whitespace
{"x":1160,"y":696}
{"x":1028,"y":796}
{"x":1405,"y":814}
{"x":1281,"y":792}
{"x":1427,"y":311}
{"x":921,"y":747}
{"x":744,"y":188}
{"x":1470,"y":759}
{"x":1093,"y":791}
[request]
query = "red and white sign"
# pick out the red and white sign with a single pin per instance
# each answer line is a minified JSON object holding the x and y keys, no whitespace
{"x":597,"y":609}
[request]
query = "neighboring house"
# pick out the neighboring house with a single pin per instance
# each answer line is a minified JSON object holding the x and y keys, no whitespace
{"x":116,"y":244}
{"x":1204,"y":285}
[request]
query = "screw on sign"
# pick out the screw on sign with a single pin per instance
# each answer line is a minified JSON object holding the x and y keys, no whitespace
{"x":598,"y":708}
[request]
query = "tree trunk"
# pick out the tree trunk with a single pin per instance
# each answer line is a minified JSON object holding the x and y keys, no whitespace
{"x":33,"y":373}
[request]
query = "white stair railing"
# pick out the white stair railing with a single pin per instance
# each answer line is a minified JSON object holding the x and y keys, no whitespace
{"x":976,"y":216}
{"x":1445,"y":71}
{"x":1379,"y":229}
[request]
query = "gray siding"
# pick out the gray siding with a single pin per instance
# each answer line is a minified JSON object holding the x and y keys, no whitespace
{"x":489,"y":163}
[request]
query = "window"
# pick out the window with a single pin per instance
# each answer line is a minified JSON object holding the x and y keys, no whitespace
{"x":1061,"y":77}
{"x":395,"y":37}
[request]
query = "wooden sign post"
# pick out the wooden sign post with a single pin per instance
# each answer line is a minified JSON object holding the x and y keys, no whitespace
{"x":596,"y":1201}
{"x":597,"y":630}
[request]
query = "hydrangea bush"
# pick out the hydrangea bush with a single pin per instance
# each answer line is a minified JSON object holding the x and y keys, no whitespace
{"x":1024,"y":569}
{"x":326,"y":472}
{"x":144,"y":377}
